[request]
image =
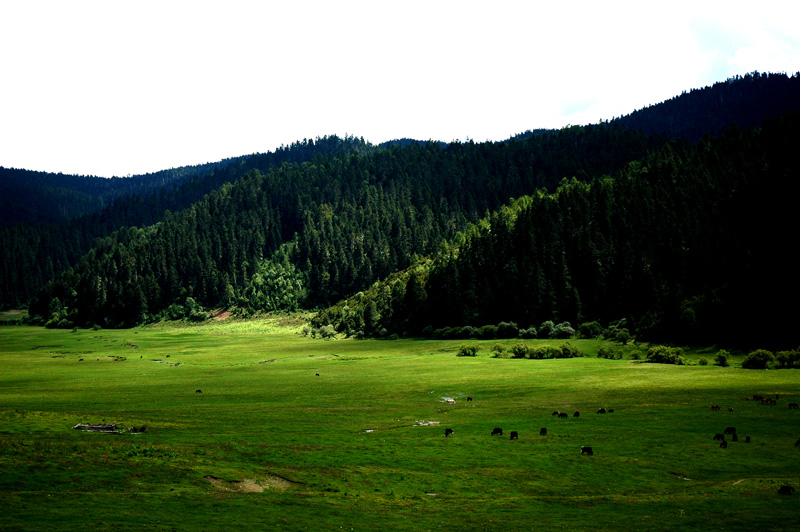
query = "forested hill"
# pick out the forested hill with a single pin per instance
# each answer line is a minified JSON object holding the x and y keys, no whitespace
{"x":33,"y":253}
{"x":692,"y":244}
{"x":338,"y":224}
{"x":742,"y":100}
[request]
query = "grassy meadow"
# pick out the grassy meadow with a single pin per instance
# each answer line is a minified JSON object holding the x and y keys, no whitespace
{"x":294,"y":433}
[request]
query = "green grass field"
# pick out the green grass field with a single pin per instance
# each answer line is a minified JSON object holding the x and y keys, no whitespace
{"x":271,"y":445}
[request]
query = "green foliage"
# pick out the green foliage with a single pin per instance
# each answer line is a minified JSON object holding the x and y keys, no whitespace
{"x":547,"y":329}
{"x":591,"y":329}
{"x":623,"y":336}
{"x":758,"y":359}
{"x":507,"y":330}
{"x":703,"y":362}
{"x":467,"y":350}
{"x":662,"y":354}
{"x":721,"y":358}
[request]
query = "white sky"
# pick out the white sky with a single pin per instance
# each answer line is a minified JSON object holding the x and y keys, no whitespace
{"x":117,"y":88}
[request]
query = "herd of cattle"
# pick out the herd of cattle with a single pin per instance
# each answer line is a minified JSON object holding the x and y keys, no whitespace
{"x":720,"y":436}
{"x":514,"y":435}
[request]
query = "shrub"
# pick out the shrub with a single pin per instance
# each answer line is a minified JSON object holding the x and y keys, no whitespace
{"x":623,"y":336}
{"x":721,"y":358}
{"x":520,"y":350}
{"x":487,"y":332}
{"x":591,"y":329}
{"x":661,"y":354}
{"x":569,"y":351}
{"x":467,"y":350}
{"x":758,"y":359}
{"x":498,"y":350}
{"x":635,"y":355}
{"x":786,"y":359}
{"x":507,"y":330}
{"x":528,"y":333}
{"x":468,"y":332}
{"x":546,"y":329}
{"x":327,"y":331}
{"x":703,"y":362}
{"x":563,"y":330}
{"x":605,"y":352}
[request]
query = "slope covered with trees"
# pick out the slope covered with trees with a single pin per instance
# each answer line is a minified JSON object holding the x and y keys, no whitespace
{"x":689,"y":244}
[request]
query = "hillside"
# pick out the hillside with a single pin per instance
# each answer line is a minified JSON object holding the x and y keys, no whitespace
{"x":309,"y":234}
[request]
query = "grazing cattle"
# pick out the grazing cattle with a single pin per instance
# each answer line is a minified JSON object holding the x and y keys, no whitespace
{"x":317,"y":374}
{"x":601,"y":411}
{"x":563,"y":415}
{"x":448,"y":432}
{"x":714,"y":407}
{"x":198,"y":391}
{"x":543,"y":432}
{"x":730,"y":430}
{"x":497,"y":431}
{"x":758,"y":397}
{"x":719,"y":436}
{"x":555,"y":413}
{"x":514,"y":435}
{"x":734,"y":437}
{"x":797,"y":443}
{"x":793,"y":406}
{"x":587,"y":450}
{"x":610,"y":410}
{"x":785,"y":490}
{"x":730,"y":409}
{"x":723,"y":444}
{"x":80,"y":360}
{"x":576,"y":414}
{"x":143,"y":428}
{"x":469,"y":398}
{"x":747,"y":439}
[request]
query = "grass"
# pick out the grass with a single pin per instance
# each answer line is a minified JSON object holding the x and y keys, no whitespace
{"x":271,"y":444}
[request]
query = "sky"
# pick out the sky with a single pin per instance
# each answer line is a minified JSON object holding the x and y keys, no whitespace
{"x":112,"y":88}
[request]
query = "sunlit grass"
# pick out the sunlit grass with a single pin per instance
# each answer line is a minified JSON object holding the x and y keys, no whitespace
{"x":335,"y":433}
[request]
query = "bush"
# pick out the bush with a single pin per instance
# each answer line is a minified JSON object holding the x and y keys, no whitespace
{"x":327,"y":331}
{"x":498,"y":350}
{"x":487,"y":332}
{"x":661,"y":354}
{"x":758,"y":359}
{"x":563,"y":330}
{"x":528,"y":333}
{"x":591,"y":329}
{"x":468,"y":332}
{"x":546,"y":329}
{"x":605,"y":352}
{"x":703,"y":362}
{"x":721,"y":358}
{"x":635,"y":355}
{"x":520,"y":350}
{"x":623,"y":336}
{"x":569,"y":351}
{"x":467,"y":350}
{"x":507,"y":330}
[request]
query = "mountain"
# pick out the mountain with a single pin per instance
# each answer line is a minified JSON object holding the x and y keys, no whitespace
{"x":308,"y":234}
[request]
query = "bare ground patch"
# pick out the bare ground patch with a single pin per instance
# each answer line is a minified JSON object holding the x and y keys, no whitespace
{"x":251,"y":485}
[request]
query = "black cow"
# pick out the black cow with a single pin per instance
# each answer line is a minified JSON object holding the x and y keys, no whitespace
{"x":317,"y":374}
{"x":543,"y":432}
{"x":497,"y":431}
{"x":747,"y":439}
{"x":793,"y":406}
{"x":719,"y":436}
{"x":576,"y":414}
{"x":730,"y":430}
{"x":601,"y":411}
{"x":198,"y":391}
{"x":587,"y":450}
{"x":469,"y":398}
{"x":555,"y":413}
{"x":734,"y":437}
{"x":448,"y":432}
{"x":797,"y":443}
{"x":785,"y":490}
{"x":723,"y":444}
{"x":610,"y":410}
{"x":514,"y":435}
{"x":563,"y":415}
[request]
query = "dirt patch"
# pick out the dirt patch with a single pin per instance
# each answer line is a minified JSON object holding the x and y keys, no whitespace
{"x":220,"y":315}
{"x":251,"y":485}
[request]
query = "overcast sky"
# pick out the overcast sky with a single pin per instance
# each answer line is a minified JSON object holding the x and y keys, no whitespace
{"x":117,"y":88}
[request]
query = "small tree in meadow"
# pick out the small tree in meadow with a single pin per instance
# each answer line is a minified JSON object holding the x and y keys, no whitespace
{"x":758,"y":359}
{"x":591,"y":329}
{"x":721,"y":359}
{"x":623,"y":336}
{"x":519,"y":350}
{"x":467,"y":350}
{"x":662,"y":354}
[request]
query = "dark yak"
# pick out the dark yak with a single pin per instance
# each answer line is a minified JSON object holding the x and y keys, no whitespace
{"x":576,"y":414}
{"x":785,"y":490}
{"x":448,"y":432}
{"x":514,"y":435}
{"x":601,"y":411}
{"x":714,"y":407}
{"x":793,"y":406}
{"x":723,"y":444}
{"x":587,"y":450}
{"x":497,"y":431}
{"x":198,"y":391}
{"x":730,"y":430}
{"x":719,"y":436}
{"x":543,"y":432}
{"x":563,"y":415}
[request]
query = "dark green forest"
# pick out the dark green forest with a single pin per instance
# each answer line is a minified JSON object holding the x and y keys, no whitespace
{"x":682,"y":231}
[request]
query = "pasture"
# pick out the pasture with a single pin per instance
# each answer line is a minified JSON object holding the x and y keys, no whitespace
{"x":294,"y":433}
